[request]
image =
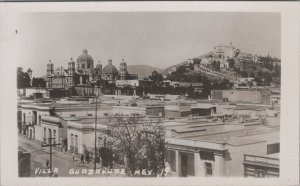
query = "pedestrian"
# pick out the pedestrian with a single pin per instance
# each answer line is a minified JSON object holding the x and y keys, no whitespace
{"x":47,"y":163}
{"x":87,"y":158}
{"x":73,"y":156}
{"x":82,"y":158}
{"x":100,"y":161}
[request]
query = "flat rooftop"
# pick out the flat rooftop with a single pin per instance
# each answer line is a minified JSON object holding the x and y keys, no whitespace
{"x":232,"y":132}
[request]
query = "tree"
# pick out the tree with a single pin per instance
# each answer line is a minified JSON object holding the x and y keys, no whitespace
{"x":156,"y":78}
{"x":231,"y":62}
{"x":216,"y":65}
{"x":196,"y":61}
{"x":23,"y":78}
{"x":244,"y":74}
{"x":141,"y":140}
{"x":277,"y":70}
{"x":38,"y":82}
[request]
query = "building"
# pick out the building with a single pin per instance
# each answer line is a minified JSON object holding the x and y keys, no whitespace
{"x":216,"y":149}
{"x":254,"y":96}
{"x":261,"y":166}
{"x":32,"y":114}
{"x":81,"y":134}
{"x":132,"y":83}
{"x":24,"y":163}
{"x":222,"y":50}
{"x":178,"y":110}
{"x":110,"y":72}
{"x":82,"y":74}
{"x":78,"y":79}
{"x":275,"y":99}
{"x":34,"y":92}
{"x":143,"y":110}
{"x":203,"y":109}
{"x":53,"y":127}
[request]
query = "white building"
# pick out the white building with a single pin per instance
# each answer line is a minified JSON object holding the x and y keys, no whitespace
{"x":208,"y":149}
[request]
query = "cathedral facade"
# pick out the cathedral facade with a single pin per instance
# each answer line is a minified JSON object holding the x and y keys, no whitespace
{"x":83,"y":73}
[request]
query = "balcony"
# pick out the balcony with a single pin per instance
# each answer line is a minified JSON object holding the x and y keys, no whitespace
{"x":261,"y":161}
{"x":259,"y":166}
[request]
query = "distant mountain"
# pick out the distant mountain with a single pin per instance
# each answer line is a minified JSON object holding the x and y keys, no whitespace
{"x":142,"y":70}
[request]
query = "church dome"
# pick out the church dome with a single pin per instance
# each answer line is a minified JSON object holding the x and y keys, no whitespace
{"x":110,"y":69}
{"x":85,"y":58}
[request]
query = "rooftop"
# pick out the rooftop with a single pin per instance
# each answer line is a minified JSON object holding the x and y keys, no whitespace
{"x":232,"y":132}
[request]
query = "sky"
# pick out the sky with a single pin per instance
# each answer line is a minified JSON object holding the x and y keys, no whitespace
{"x":159,"y":39}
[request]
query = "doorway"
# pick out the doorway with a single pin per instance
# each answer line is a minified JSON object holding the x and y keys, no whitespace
{"x":184,"y":165}
{"x":30,"y":134}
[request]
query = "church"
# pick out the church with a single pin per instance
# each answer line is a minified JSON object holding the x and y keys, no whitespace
{"x":83,"y":74}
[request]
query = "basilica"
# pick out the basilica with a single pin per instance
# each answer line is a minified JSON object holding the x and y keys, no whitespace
{"x":84,"y":73}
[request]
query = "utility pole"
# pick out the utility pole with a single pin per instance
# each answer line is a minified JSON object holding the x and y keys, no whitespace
{"x":96,"y":105}
{"x":50,"y":145}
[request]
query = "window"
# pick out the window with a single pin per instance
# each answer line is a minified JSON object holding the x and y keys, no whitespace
{"x":259,"y":173}
{"x":40,"y":118}
{"x":54,"y":135}
{"x":44,"y":134}
{"x":72,"y":115}
{"x":273,"y":148}
{"x":82,"y":66}
{"x":50,"y":135}
{"x":72,"y":140}
{"x":207,"y":156}
{"x":208,"y":169}
{"x":76,"y":144}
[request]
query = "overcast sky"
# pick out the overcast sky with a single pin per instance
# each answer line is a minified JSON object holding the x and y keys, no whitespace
{"x":156,"y":39}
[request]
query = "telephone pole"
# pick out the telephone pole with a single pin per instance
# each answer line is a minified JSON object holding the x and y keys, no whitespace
{"x":95,"y":132}
{"x":96,"y":105}
{"x":50,"y":145}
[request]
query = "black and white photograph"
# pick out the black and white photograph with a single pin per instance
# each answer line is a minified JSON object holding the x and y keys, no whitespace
{"x":149,"y":94}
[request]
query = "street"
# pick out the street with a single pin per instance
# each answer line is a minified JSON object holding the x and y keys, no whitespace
{"x":63,"y":161}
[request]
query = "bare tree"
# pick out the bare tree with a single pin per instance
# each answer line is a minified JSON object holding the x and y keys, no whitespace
{"x":141,"y":140}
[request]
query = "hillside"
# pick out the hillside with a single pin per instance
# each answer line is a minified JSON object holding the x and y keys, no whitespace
{"x":225,"y":62}
{"x":167,"y":70}
{"x":142,"y":70}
